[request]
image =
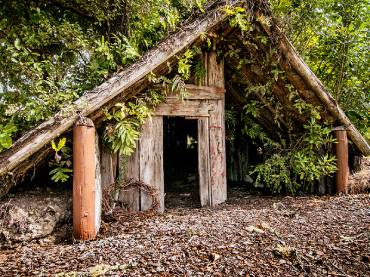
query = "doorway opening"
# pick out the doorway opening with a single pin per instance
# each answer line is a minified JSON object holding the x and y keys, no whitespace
{"x":180,"y":162}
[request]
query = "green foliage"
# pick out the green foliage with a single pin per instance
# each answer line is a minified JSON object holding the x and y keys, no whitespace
{"x":54,"y":51}
{"x":60,"y":174}
{"x":124,"y":128}
{"x":292,"y":162}
{"x":62,"y":164}
{"x":295,"y":168}
{"x":238,"y":18}
{"x":332,"y":36}
{"x":6,"y":133}
{"x":184,"y":64}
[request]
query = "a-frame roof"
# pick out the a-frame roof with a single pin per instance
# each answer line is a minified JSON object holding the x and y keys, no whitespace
{"x":34,"y":145}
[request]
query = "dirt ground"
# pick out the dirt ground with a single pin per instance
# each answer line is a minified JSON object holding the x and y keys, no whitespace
{"x":247,"y":236}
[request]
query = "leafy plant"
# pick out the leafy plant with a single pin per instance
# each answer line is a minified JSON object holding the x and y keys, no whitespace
{"x":184,"y":64}
{"x":61,"y":171}
{"x":123,"y":130}
{"x":60,"y":174}
{"x":6,"y":133}
{"x":238,"y":18}
{"x":297,"y":167}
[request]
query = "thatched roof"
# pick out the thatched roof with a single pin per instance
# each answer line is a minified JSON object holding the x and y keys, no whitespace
{"x":34,"y":146}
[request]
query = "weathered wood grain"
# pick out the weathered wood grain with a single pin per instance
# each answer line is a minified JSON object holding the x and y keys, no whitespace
{"x":200,"y":93}
{"x":131,"y":170}
{"x":175,"y":107}
{"x":217,"y":144}
{"x":108,"y":166}
{"x":151,"y":160}
{"x":203,"y":162}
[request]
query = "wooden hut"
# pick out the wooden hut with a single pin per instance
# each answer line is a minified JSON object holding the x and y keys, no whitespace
{"x":205,"y":103}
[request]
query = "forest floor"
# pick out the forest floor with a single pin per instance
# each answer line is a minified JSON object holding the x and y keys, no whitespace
{"x":247,"y":236}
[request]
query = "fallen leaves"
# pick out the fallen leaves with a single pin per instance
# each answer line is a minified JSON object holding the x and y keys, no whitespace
{"x":249,"y":236}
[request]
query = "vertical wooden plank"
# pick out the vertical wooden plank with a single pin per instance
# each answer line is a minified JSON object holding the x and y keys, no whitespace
{"x":217,"y":154}
{"x":151,"y":160}
{"x":108,"y":166}
{"x":203,"y":161}
{"x":98,"y":184}
{"x":203,"y":81}
{"x":215,"y":71}
{"x":130,"y":167}
{"x":217,"y":144}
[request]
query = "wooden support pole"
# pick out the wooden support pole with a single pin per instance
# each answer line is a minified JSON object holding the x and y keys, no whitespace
{"x":86,"y":183}
{"x":342,"y":160}
{"x":215,"y":77}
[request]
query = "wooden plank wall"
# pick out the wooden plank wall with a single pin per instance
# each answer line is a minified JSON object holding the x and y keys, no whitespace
{"x":207,"y":104}
{"x":151,"y":160}
{"x":146,"y":165}
{"x":108,"y":166}
{"x":131,"y":170}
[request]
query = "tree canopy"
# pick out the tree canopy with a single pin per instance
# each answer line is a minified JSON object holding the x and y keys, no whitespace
{"x":54,"y":51}
{"x":332,"y":36}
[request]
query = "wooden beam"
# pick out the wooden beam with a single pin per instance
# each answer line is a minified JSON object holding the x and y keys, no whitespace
{"x":203,"y":162}
{"x":183,"y":108}
{"x":195,"y":92}
{"x":217,"y":145}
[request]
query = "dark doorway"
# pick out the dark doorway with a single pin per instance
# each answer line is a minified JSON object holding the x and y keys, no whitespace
{"x":180,"y":161}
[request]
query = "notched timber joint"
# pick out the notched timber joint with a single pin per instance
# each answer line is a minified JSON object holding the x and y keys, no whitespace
{"x":84,"y":121}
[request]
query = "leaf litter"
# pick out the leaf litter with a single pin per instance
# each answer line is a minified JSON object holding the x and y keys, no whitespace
{"x":247,"y":236}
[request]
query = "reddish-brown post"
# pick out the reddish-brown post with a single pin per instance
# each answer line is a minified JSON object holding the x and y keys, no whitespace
{"x":342,"y":160}
{"x":84,"y":189}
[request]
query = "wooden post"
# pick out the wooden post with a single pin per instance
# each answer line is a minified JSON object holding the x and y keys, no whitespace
{"x":203,"y":162}
{"x":342,"y":160}
{"x":86,"y":181}
{"x":215,"y":77}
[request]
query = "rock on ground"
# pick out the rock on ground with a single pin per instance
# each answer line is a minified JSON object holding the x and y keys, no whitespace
{"x":34,"y":215}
